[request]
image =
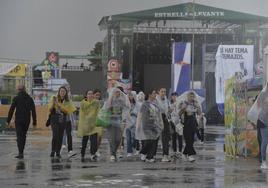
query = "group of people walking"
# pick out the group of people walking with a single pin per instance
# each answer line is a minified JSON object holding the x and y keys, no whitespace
{"x":141,"y":120}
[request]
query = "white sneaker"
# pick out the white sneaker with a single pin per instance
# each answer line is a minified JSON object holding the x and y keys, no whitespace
{"x":165,"y":159}
{"x":143,"y":157}
{"x":120,"y":153}
{"x":150,"y":160}
{"x":137,"y":152}
{"x":179,"y":155}
{"x":264,"y":165}
{"x":129,"y":154}
{"x":98,"y":154}
{"x":93,"y":157}
{"x":202,"y":143}
{"x":191,"y":158}
{"x":63,"y":147}
{"x":112,"y":158}
{"x":71,"y":154}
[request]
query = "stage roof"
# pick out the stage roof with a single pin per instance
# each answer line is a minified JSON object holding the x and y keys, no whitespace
{"x":185,"y":11}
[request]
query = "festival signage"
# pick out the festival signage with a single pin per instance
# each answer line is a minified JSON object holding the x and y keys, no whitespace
{"x":181,"y":67}
{"x":19,"y":70}
{"x":231,"y":60}
{"x":5,"y":68}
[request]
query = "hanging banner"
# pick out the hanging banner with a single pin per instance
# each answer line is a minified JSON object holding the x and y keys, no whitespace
{"x":181,"y":67}
{"x":19,"y":70}
{"x":6,"y":68}
{"x":231,"y":60}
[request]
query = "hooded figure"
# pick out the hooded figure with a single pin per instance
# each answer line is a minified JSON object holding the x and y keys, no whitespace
{"x":262,"y":124}
{"x":118,"y":105}
{"x":189,"y":108}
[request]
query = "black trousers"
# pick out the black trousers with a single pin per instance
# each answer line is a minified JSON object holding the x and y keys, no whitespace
{"x":93,"y":144}
{"x":176,"y":138}
{"x":68,"y":130}
{"x":200,"y":134}
{"x":21,"y":132}
{"x":57,"y":135}
{"x":189,"y":131}
{"x":149,"y":148}
{"x":165,"y":135}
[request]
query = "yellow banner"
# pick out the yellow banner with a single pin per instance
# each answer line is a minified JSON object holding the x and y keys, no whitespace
{"x":19,"y":70}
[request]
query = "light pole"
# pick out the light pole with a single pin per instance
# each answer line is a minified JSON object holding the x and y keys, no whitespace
{"x":193,"y":37}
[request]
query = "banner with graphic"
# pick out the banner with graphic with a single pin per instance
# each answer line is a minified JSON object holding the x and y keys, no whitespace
{"x":231,"y":60}
{"x":181,"y":67}
{"x":19,"y":70}
{"x":6,"y":68}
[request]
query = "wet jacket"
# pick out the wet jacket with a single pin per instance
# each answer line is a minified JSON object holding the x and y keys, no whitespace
{"x":24,"y":106}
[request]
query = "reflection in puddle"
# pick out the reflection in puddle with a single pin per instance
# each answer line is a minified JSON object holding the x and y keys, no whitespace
{"x":20,"y":166}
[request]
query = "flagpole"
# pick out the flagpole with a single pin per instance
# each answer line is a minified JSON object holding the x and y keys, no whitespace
{"x":193,"y":37}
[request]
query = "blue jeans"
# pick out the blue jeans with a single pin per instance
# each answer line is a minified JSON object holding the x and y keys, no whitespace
{"x":264,"y":142}
{"x":130,"y":134}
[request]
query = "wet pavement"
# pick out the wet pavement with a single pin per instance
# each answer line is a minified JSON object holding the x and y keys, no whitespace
{"x":210,"y":170}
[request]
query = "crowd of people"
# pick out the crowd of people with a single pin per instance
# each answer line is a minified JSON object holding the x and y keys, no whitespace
{"x":139,"y":121}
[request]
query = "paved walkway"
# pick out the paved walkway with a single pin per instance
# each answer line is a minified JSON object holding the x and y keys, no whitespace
{"x":211,"y":169}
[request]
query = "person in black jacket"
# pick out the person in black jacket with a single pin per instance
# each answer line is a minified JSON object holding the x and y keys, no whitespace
{"x":24,"y":106}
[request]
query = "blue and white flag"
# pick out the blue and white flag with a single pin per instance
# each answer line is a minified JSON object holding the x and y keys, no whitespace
{"x":181,"y":67}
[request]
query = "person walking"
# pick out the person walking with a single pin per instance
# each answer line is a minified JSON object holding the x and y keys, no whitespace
{"x":150,"y":126}
{"x":163,"y":104}
{"x":98,"y":97}
{"x":262,"y":123}
{"x":189,"y":108}
{"x":25,"y":107}
{"x":118,"y":105}
{"x":87,"y":129}
{"x":175,"y":122}
{"x":131,"y":124}
{"x":60,"y":107}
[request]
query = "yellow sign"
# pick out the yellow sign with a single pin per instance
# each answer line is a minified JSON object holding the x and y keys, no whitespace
{"x":19,"y":70}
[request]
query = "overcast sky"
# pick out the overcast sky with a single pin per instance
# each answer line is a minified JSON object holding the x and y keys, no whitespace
{"x":29,"y":28}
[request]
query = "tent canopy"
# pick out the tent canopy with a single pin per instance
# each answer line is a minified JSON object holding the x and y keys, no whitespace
{"x":185,"y":11}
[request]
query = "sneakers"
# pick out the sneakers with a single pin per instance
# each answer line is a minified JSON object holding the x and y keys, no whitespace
{"x":97,"y":153}
{"x":137,"y":152}
{"x":179,"y":155}
{"x":191,"y":158}
{"x":71,"y":153}
{"x":120,"y":153}
{"x":63,"y":147}
{"x":93,"y":157}
{"x":150,"y":160}
{"x":264,"y":165}
{"x":143,"y":157}
{"x":52,"y":154}
{"x":58,"y":155}
{"x":112,"y":158}
{"x":165,"y":159}
{"x":129,"y":154}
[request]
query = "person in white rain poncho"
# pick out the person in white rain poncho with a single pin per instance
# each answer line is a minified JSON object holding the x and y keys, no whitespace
{"x":150,"y":125}
{"x":262,"y":124}
{"x":189,"y":108}
{"x":176,"y":125}
{"x":118,"y":105}
{"x":131,"y":124}
{"x":163,"y":104}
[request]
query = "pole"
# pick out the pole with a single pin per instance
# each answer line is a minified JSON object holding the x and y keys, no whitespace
{"x":192,"y":62}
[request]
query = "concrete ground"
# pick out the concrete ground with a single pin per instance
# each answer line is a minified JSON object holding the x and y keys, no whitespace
{"x":211,"y":169}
